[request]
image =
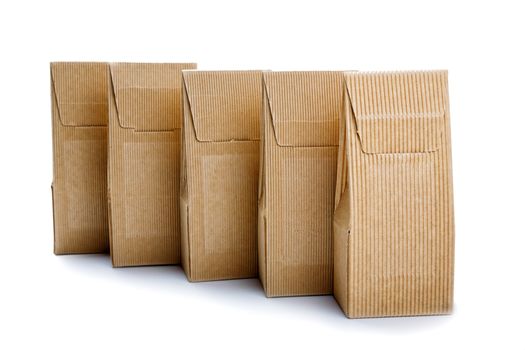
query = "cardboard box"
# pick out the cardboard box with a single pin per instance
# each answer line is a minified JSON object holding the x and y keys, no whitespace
{"x":79,"y":117}
{"x":219,"y":177}
{"x":301,"y":113}
{"x":144,"y":160}
{"x":394,"y":222}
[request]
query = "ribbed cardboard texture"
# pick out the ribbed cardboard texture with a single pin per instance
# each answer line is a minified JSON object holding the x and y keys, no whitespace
{"x":394,"y":222}
{"x":79,"y":117}
{"x":301,"y":113}
{"x":144,"y":161}
{"x":219,"y":175}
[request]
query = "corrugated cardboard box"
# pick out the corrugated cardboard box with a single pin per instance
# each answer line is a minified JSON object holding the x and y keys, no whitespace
{"x":301,"y":112}
{"x":144,"y":161}
{"x":219,"y":177}
{"x":394,"y":222}
{"x":79,"y":109}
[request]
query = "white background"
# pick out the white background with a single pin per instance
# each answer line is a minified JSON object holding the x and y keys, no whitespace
{"x":82,"y":302}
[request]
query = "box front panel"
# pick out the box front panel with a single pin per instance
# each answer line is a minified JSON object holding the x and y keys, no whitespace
{"x":401,"y":244}
{"x":79,"y":101}
{"x":223,"y":209}
{"x":145,"y":155}
{"x":144,"y":173}
{"x":301,"y":197}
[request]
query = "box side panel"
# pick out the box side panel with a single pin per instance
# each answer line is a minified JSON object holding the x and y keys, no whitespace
{"x":342,"y":214}
{"x":262,"y":230}
{"x":341,"y":251}
{"x":185,"y":177}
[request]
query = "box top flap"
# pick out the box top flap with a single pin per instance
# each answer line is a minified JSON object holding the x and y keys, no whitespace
{"x":224,"y":105}
{"x":80,"y":92}
{"x":148,"y":95}
{"x":398,"y":112}
{"x":305,"y":107}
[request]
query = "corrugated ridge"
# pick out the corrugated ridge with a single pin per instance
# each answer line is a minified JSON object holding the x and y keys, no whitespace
{"x":401,"y":246}
{"x":304,"y":96}
{"x":391,"y":95}
{"x":148,"y":75}
{"x":222,"y":103}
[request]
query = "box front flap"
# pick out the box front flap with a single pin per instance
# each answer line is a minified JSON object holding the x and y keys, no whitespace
{"x":80,"y":90}
{"x":305,"y":107}
{"x":225,"y":105}
{"x":398,"y":112}
{"x":148,"y":96}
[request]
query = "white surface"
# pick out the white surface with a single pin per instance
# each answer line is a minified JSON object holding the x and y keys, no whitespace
{"x":81,"y":302}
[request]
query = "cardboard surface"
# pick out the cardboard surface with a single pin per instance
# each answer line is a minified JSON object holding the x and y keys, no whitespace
{"x":219,"y":174}
{"x":144,"y":161}
{"x":259,"y":178}
{"x":394,"y":222}
{"x":301,"y":112}
{"x":79,"y":189}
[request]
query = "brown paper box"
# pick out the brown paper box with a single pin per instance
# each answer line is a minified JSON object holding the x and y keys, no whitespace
{"x":219,"y":175}
{"x":394,"y":222}
{"x":301,"y":112}
{"x":79,"y":116}
{"x":144,"y":161}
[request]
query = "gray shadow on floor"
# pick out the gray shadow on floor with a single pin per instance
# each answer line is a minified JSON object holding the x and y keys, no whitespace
{"x":246,"y":294}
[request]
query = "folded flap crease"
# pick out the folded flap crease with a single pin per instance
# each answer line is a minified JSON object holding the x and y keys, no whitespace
{"x":148,"y":96}
{"x":398,"y":112}
{"x":224,"y":105}
{"x":80,"y":93}
{"x":305,"y":107}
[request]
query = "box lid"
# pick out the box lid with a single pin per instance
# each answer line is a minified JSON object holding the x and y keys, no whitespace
{"x":148,"y":95}
{"x":80,"y":91}
{"x":305,"y":107}
{"x":224,"y":105}
{"x":400,"y":112}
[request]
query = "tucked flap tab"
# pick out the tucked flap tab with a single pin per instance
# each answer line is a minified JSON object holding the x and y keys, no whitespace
{"x":225,"y":105}
{"x":305,"y":107}
{"x":398,"y":112}
{"x":148,"y":95}
{"x":149,"y":109}
{"x":81,"y":93}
